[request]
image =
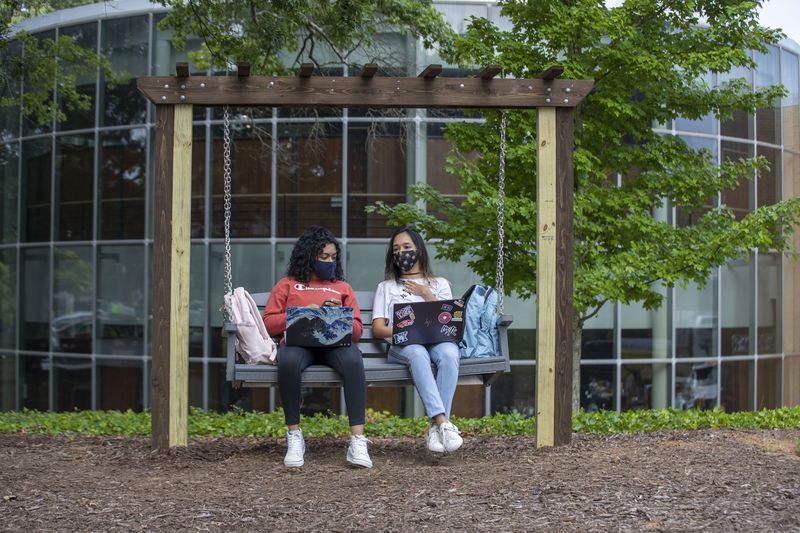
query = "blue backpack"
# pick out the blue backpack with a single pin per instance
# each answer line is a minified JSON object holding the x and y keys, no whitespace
{"x":480,"y":328}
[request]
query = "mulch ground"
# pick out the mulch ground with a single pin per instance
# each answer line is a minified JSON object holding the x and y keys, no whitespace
{"x":671,"y":481}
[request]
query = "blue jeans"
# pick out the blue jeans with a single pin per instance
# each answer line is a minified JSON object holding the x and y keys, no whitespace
{"x":436,"y":392}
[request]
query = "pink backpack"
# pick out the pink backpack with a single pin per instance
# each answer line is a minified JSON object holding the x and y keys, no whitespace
{"x":252,"y":340}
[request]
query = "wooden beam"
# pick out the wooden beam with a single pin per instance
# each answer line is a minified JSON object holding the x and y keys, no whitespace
{"x":369,"y":70}
{"x":551,"y":73}
{"x":242,"y":70}
{"x":430,"y":72}
{"x":182,"y":69}
{"x":330,"y":91}
{"x":305,"y":70}
{"x":170,"y":355}
{"x":489,"y":72}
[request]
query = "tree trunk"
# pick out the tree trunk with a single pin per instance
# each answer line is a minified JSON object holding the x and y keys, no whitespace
{"x":576,"y":365}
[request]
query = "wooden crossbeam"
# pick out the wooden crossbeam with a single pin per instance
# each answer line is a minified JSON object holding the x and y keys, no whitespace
{"x":332,"y":91}
{"x":182,"y":69}
{"x":369,"y":70}
{"x":489,"y":72}
{"x":430,"y":72}
{"x":305,"y":70}
{"x":243,"y":70}
{"x":552,"y":72}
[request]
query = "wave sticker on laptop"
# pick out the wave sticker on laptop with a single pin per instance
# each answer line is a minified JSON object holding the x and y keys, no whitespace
{"x":323,"y":326}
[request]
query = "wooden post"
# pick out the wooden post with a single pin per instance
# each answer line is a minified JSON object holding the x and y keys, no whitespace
{"x":173,"y":153}
{"x":554,"y":277}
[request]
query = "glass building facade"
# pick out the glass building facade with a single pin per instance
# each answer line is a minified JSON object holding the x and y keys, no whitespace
{"x":76,"y":231}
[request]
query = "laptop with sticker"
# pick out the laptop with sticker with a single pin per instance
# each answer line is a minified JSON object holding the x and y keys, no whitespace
{"x":427,"y":322}
{"x":319,"y":327}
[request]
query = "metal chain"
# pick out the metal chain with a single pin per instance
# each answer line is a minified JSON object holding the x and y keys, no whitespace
{"x":501,"y":199}
{"x":226,"y":155}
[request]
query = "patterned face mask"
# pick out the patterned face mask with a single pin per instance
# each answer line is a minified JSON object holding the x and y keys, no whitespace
{"x":406,"y":260}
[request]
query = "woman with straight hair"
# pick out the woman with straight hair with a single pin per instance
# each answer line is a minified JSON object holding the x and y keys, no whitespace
{"x":408,"y":278}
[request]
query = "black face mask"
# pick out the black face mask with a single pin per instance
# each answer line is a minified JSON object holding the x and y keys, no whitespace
{"x":325,"y":269}
{"x":406,"y":260}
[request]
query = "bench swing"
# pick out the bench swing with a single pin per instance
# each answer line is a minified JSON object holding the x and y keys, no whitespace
{"x":378,"y":370}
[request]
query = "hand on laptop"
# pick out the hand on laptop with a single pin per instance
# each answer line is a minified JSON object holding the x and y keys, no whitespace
{"x":333,"y":302}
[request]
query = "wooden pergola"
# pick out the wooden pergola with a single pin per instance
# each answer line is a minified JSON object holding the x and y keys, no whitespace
{"x":174,"y":97}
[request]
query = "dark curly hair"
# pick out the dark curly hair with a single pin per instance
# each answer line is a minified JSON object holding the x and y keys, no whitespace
{"x":393,"y":271}
{"x":307,"y":249}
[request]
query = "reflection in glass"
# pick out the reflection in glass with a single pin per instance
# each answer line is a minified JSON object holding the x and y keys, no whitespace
{"x":34,"y":379}
{"x":437,"y":150}
{"x":35,"y":294}
{"x":120,"y":300}
{"x":8,"y":297}
{"x":73,"y":315}
{"x":768,"y":119}
{"x":790,"y":105}
{"x":739,"y":199}
{"x":8,"y":382}
{"x":769,"y":303}
{"x":125,"y":43}
{"x":741,"y":124}
{"x":376,"y":172}
{"x":684,"y":217}
{"x":769,"y":179}
{"x":736,"y":310}
{"x":165,"y":55}
{"x":84,"y":36}
{"x":74,"y":186}
{"x":705,"y":124}
{"x":515,"y":392}
{"x":197,"y":292}
{"x":769,"y":383}
{"x":9,"y":182}
{"x":198,"y":181}
{"x":196,"y":385}
{"x":309,"y":177}
{"x":522,"y":343}
{"x":390,"y":399}
{"x":119,"y":384}
{"x":696,"y":319}
{"x":30,"y":123}
{"x":72,"y":383}
{"x":35,"y":189}
{"x":645,"y":333}
{"x":251,"y":270}
{"x":696,"y":385}
{"x":122,"y":184}
{"x":645,"y":387}
{"x":597,"y":336}
{"x":736,"y":391}
{"x":10,"y":115}
{"x":598,"y":387}
{"x":251,"y":169}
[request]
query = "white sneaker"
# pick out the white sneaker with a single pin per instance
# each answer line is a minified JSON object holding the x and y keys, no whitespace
{"x":451,"y":437}
{"x":357,"y":453}
{"x":296,"y":448}
{"x":434,"y":439}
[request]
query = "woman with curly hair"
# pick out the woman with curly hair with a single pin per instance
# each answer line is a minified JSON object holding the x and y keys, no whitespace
{"x":313,"y":279}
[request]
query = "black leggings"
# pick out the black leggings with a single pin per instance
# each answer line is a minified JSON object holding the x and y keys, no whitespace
{"x":345,"y":360}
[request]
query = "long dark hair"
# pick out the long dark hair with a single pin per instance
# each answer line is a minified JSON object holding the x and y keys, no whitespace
{"x":393,"y":271}
{"x":307,"y":249}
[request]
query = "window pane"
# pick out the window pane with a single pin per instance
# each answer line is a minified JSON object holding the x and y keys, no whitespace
{"x":468,"y":401}
{"x":34,"y":382}
{"x":8,"y":382}
{"x":72,"y":300}
{"x":741,"y":124}
{"x":365,"y":265}
{"x":645,"y":387}
{"x":377,"y":162}
{"x":522,"y":343}
{"x":598,"y":387}
{"x":737,"y":386}
{"x":684,"y":217}
{"x":8,"y":298}
{"x":251,"y":182}
{"x":9,"y":115}
{"x":120,"y":300}
{"x":696,"y":319}
{"x":769,"y":303}
{"x":197,"y":294}
{"x":84,"y":36}
{"x":597,"y":337}
{"x":645,"y":333}
{"x":72,"y":383}
{"x":36,"y":158}
{"x":9,"y":182}
{"x":740,"y":199}
{"x":196,"y":385}
{"x":768,"y":119}
{"x":515,"y":392}
{"x":122,"y":184}
{"x":165,"y":55}
{"x":770,"y":178}
{"x":736,"y":311}
{"x":30,"y":125}
{"x":390,"y":399}
{"x":790,"y":77}
{"x":309,"y":178}
{"x":35,"y":294}
{"x":119,"y":384}
{"x":791,"y":381}
{"x":696,"y":385}
{"x":74,"y":186}
{"x":198,"y":182}
{"x":125,"y":44}
{"x":769,"y":384}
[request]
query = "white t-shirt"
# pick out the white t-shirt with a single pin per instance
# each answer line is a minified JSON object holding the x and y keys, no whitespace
{"x":390,"y":292}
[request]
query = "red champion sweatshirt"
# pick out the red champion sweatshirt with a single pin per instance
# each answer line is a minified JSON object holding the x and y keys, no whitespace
{"x":289,"y":292}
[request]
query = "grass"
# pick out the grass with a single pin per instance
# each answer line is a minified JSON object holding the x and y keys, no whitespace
{"x":382,"y":424}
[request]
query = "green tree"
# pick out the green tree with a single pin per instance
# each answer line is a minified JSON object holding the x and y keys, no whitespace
{"x":648,"y":60}
{"x":325,"y":32}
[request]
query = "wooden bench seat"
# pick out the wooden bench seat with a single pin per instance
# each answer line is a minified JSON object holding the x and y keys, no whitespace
{"x":379,"y":371}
